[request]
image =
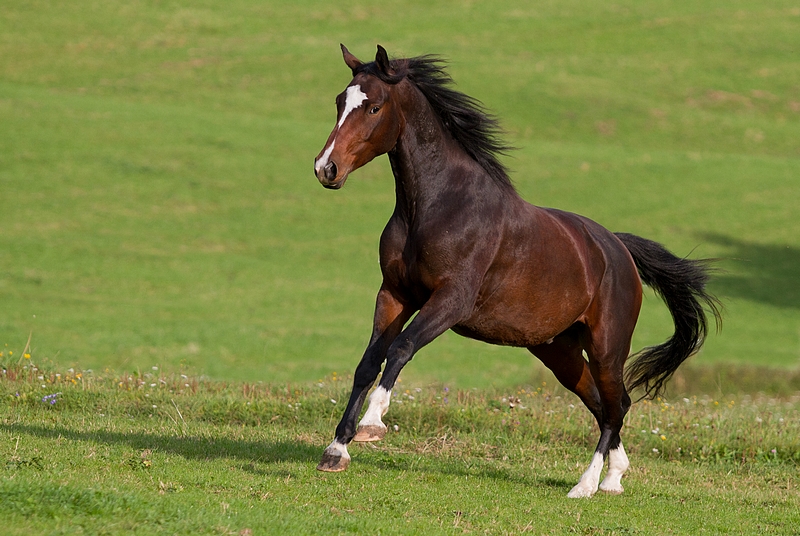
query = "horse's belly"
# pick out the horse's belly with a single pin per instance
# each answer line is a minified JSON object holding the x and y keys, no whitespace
{"x":510,"y":321}
{"x":500,"y":335}
{"x":511,"y":327}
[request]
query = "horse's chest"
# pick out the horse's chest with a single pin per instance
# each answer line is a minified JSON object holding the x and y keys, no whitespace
{"x":417,"y":278}
{"x":416,"y":262}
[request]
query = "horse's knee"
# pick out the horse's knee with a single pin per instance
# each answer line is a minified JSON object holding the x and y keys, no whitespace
{"x":364,"y":376}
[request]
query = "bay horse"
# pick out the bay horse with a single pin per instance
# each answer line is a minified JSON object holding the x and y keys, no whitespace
{"x":463,"y":251}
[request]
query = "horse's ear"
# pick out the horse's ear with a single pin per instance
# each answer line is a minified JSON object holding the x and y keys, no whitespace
{"x":382,"y":60}
{"x":351,"y":61}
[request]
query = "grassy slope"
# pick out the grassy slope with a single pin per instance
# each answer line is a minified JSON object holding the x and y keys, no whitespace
{"x":158,"y":454}
{"x":158,"y":206}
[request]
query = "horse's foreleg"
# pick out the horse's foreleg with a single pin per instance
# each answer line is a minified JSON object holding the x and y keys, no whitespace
{"x":437,"y":316}
{"x":390,"y":316}
{"x":371,"y":427}
{"x":445,"y":308}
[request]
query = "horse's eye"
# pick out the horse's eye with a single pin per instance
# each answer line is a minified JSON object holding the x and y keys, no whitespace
{"x":374,"y":110}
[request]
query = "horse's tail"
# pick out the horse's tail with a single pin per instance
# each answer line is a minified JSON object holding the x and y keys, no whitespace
{"x":681,"y":284}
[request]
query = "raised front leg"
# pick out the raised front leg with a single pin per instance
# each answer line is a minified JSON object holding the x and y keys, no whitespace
{"x":371,"y":427}
{"x":443,"y":310}
{"x":390,"y":317}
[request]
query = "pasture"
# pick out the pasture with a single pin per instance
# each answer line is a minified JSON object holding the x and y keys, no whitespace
{"x":153,"y":453}
{"x":158,"y":209}
{"x":159,"y":206}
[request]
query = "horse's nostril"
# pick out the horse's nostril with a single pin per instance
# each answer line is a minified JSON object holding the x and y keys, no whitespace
{"x":330,"y":171}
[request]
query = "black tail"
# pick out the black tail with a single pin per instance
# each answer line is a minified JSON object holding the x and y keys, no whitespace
{"x":681,"y":284}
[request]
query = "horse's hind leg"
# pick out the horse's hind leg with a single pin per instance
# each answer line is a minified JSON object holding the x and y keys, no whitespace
{"x":564,"y":357}
{"x":617,"y":465}
{"x":606,"y":362}
{"x":616,"y":403}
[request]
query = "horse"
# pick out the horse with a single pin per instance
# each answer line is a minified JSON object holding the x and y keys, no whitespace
{"x":463,"y":251}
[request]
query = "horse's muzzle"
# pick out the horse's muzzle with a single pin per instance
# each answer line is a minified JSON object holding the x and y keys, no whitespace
{"x":329,"y":171}
{"x":327,"y":176}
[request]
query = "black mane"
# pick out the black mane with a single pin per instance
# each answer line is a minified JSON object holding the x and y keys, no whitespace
{"x":477,"y":131}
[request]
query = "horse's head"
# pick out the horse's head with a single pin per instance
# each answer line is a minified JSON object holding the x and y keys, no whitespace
{"x":368,"y":121}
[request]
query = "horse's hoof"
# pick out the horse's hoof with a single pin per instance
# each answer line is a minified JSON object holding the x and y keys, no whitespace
{"x":581,"y":491}
{"x":369,"y":432}
{"x":335,"y":458}
{"x":612,"y":490}
{"x":333,"y":463}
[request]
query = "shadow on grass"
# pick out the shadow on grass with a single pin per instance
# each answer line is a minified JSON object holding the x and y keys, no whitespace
{"x":189,"y":447}
{"x":253,"y":453}
{"x":763,"y":273}
{"x":732,"y":378}
{"x":404,"y":462}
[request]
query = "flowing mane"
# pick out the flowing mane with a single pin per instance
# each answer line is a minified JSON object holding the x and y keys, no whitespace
{"x":465,"y":117}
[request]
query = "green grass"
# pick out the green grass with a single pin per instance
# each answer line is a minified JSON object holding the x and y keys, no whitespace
{"x":158,"y":205}
{"x":156,"y":453}
{"x":157,"y":208}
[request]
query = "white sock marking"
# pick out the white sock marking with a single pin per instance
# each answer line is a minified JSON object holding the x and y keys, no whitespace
{"x":338,"y":449}
{"x":355,"y":98}
{"x":378,"y":406}
{"x":588,"y":483}
{"x":617,"y":465}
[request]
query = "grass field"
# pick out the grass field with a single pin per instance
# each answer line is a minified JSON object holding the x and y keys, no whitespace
{"x":158,"y":209}
{"x":158,"y":204}
{"x":165,"y":454}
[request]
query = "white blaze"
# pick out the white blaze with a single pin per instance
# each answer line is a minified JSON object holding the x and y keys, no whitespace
{"x":354,"y":99}
{"x":323,"y":161}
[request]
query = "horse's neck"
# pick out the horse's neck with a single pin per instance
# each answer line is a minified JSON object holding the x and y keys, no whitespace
{"x":411,"y":173}
{"x":424,"y":159}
